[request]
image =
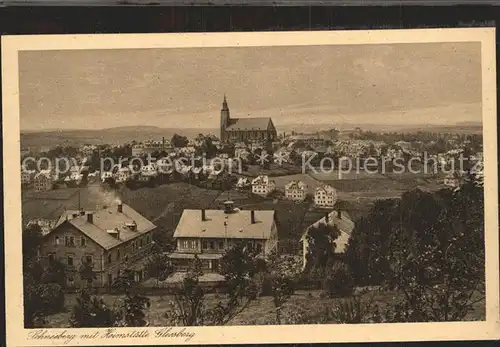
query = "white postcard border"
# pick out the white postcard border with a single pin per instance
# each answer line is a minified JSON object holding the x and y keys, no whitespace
{"x":17,"y":335}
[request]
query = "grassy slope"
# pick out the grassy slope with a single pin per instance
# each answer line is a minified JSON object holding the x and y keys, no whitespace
{"x":309,"y":304}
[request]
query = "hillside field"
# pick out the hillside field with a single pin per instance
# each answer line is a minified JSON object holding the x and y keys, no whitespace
{"x":310,"y":305}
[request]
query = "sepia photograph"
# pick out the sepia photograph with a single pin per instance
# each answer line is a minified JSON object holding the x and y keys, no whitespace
{"x":260,"y":186}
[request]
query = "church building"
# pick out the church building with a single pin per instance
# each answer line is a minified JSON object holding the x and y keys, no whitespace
{"x":257,"y":129}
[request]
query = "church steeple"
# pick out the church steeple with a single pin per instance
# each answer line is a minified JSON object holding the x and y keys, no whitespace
{"x":224,"y":103}
{"x":224,"y":119}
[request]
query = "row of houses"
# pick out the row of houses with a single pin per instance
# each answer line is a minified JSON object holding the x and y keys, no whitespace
{"x":116,"y":238}
{"x":153,"y":170}
{"x":45,"y":179}
{"x":295,"y":190}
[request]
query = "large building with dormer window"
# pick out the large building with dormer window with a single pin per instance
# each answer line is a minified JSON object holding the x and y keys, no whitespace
{"x":110,"y":240}
{"x":255,"y":129}
{"x":209,"y":233}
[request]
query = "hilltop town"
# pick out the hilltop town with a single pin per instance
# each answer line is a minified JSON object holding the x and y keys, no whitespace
{"x":179,"y":200}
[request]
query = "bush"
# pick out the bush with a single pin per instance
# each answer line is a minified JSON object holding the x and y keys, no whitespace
{"x":51,"y":297}
{"x":339,"y":281}
{"x":262,"y":281}
{"x":91,"y":311}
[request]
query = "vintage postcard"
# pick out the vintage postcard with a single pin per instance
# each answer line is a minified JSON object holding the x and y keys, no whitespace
{"x":284,"y":187}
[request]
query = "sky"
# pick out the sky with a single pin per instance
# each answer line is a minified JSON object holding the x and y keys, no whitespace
{"x":393,"y":84}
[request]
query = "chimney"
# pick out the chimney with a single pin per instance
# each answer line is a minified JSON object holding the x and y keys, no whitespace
{"x":90,"y":217}
{"x":203,"y":215}
{"x":252,"y":216}
{"x":339,"y":214}
{"x":120,"y":207}
{"x":327,"y":216}
{"x":228,"y":207}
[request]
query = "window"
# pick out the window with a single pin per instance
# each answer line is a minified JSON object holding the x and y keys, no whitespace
{"x":212,"y":245}
{"x":259,"y":247}
{"x":57,"y":241}
{"x":118,"y":255}
{"x":109,"y":258}
{"x":89,"y":259}
{"x":51,"y":257}
{"x":70,"y":260}
{"x":205,"y":244}
{"x":221,"y":244}
{"x":185,"y":244}
{"x":83,"y":241}
{"x":70,"y":241}
{"x":141,"y":243}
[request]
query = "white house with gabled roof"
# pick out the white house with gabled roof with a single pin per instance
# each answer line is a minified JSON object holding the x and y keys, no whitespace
{"x":325,"y":196}
{"x":43,"y":181}
{"x":296,"y":190}
{"x":263,"y":186}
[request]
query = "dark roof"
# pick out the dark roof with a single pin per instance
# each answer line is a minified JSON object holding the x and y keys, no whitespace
{"x":258,"y":123}
{"x":110,"y":219}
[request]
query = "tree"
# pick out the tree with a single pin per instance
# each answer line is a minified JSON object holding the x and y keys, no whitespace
{"x":34,"y":312}
{"x":188,"y":305}
{"x":442,"y":277}
{"x":208,"y":148}
{"x":179,"y":141}
{"x":162,"y":242}
{"x":427,"y":246}
{"x":282,"y":287}
{"x":32,"y":238}
{"x":159,"y":266}
{"x":338,"y":281}
{"x":283,"y":273}
{"x":321,"y":242}
{"x":54,"y":273}
{"x":133,"y":304}
{"x":87,"y":273}
{"x":238,"y":265}
{"x":368,"y":247}
{"x":91,"y":312}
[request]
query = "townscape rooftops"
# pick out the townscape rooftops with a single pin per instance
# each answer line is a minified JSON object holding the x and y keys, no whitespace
{"x":254,"y":123}
{"x":306,"y":137}
{"x":45,"y":225}
{"x":238,"y":224}
{"x":111,"y":219}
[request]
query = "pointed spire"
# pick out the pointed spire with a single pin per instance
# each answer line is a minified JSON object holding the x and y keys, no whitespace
{"x":224,"y":103}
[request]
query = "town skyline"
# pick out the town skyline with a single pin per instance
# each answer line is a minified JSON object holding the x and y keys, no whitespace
{"x":438,"y":83}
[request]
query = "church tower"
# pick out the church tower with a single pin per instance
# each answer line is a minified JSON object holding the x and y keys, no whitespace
{"x":224,"y":119}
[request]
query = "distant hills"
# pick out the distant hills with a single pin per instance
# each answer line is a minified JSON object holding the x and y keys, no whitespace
{"x":118,"y":135}
{"x":50,"y":138}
